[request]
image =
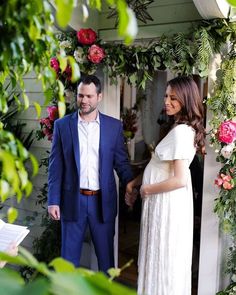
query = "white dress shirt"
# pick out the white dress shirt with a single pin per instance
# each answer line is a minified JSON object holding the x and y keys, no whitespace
{"x":89,"y":136}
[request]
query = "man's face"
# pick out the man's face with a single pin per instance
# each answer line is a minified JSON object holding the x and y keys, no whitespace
{"x":87,"y":98}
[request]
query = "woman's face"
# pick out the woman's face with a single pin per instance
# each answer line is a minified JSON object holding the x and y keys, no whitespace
{"x":172,"y":105}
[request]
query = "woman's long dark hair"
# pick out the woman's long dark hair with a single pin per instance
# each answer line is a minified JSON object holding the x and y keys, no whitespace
{"x":192,"y":111}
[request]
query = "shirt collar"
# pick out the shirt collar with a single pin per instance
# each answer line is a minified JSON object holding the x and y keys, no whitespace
{"x":80,"y":120}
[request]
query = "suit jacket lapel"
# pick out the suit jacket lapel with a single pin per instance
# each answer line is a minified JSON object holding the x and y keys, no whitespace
{"x":75,"y":139}
{"x":103,"y":138}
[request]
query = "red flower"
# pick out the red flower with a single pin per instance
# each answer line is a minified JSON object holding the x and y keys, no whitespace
{"x":54,"y":63}
{"x":86,"y":36}
{"x":96,"y":54}
{"x":52,"y":113}
{"x":227,"y":132}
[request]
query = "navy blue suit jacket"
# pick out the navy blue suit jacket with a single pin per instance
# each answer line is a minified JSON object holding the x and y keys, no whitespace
{"x":64,"y":166}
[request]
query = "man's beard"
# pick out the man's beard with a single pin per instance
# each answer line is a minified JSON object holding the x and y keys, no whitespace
{"x":91,"y":109}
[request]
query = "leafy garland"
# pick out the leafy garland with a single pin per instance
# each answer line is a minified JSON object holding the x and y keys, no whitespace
{"x":184,"y":54}
{"x":223,"y":138}
{"x":181,"y":53}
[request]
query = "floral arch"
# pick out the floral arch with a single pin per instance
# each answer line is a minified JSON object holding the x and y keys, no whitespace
{"x":184,"y":54}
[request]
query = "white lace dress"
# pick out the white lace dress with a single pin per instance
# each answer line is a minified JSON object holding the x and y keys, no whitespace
{"x":166,"y":236}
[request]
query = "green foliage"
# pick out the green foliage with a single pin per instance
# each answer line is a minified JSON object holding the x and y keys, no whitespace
{"x":27,"y":44}
{"x":14,"y":177}
{"x":58,"y":278}
{"x":183,"y":53}
{"x":223,"y":107}
{"x":232,"y":2}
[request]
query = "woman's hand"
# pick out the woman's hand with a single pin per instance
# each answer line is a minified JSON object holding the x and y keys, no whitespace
{"x":145,"y":191}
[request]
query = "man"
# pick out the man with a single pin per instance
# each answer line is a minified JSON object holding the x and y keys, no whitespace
{"x":87,"y":146}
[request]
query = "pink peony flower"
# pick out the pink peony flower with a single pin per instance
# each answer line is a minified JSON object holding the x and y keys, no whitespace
{"x":54,"y":63}
{"x":218,"y":182}
{"x":227,"y":132}
{"x":227,"y":185}
{"x":96,"y":54}
{"x":86,"y":36}
{"x":225,"y":181}
{"x":52,"y":113}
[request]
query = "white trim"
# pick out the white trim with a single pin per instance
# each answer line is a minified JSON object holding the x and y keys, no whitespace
{"x":212,"y":8}
{"x":210,"y":245}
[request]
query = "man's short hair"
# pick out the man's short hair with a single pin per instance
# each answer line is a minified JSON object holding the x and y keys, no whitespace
{"x":91,"y":79}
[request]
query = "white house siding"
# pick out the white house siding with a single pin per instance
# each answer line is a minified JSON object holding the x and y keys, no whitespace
{"x":169,"y":16}
{"x":28,"y":207}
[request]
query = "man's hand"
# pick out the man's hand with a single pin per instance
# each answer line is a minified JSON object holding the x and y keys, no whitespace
{"x":54,"y":212}
{"x":130,"y":195}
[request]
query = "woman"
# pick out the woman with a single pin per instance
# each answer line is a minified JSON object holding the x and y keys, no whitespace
{"x":165,"y":251}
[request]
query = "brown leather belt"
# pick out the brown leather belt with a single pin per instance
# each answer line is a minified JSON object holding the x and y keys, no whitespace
{"x":88,"y":192}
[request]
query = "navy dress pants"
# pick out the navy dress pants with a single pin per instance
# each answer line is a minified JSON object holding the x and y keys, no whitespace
{"x":102,"y":234}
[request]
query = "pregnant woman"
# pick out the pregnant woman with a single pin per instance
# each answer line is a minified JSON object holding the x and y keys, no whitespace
{"x":166,"y":237}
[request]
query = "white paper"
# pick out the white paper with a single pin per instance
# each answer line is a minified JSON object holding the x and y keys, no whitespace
{"x":11,"y":233}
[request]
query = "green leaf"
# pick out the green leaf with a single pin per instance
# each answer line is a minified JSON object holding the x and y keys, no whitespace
{"x":64,"y":10}
{"x":34,"y":32}
{"x":11,"y":282}
{"x":4,"y":189}
{"x":131,"y":29}
{"x":28,"y":188}
{"x":63,"y":62}
{"x":232,"y":2}
{"x":61,"y":90}
{"x":114,"y":272}
{"x":61,"y":108}
{"x":12,"y":214}
{"x":34,"y":163}
{"x":95,"y":4}
{"x":123,"y":17}
{"x":27,"y":256}
{"x":75,"y":69}
{"x":133,"y":78}
{"x":61,"y":265}
{"x":40,"y":286}
{"x":26,"y":100}
{"x":38,"y":109}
